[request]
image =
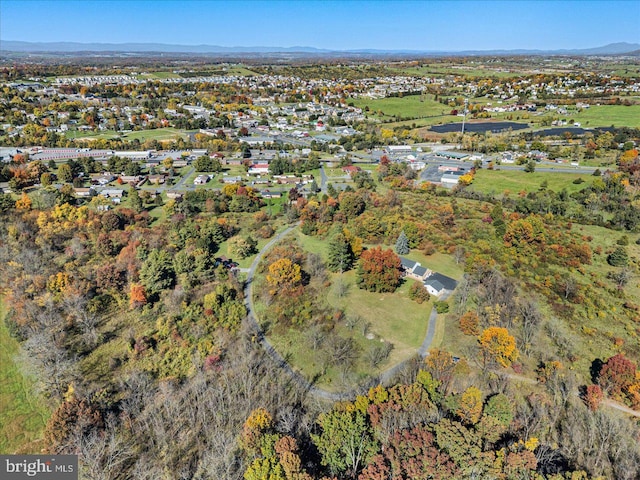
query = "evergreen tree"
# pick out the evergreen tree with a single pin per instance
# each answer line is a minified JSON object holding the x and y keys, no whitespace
{"x":341,"y":256}
{"x":618,"y":258}
{"x":402,"y":244}
{"x":135,"y":200}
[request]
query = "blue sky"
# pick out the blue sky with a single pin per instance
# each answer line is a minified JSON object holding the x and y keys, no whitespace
{"x":337,"y":25}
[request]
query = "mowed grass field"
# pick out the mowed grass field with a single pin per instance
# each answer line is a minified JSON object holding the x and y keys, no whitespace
{"x":382,"y":317}
{"x":22,"y":415}
{"x":607,"y":115}
{"x":408,"y":106}
{"x":515,"y":181}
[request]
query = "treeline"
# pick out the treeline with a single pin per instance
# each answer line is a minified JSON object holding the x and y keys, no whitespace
{"x":438,"y":425}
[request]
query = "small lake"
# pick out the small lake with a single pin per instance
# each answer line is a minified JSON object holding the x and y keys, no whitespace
{"x":480,"y":127}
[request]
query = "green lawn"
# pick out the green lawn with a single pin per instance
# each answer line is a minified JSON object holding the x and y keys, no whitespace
{"x":159,"y":134}
{"x":607,"y":115}
{"x":409,"y":106}
{"x":388,"y":317}
{"x":497,"y":181}
{"x":105,"y":134}
{"x":383,"y":317}
{"x":392,"y":317}
{"x":438,"y":262}
{"x":22,"y":415}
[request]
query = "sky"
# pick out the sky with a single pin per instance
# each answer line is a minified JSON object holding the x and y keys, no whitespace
{"x":337,"y":25}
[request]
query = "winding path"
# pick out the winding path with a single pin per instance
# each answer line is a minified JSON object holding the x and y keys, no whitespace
{"x":383,"y":377}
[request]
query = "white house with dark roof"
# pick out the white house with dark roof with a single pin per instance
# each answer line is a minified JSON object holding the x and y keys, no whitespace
{"x":437,"y":284}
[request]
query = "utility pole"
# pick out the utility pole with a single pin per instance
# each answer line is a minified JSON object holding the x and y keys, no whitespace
{"x":464,"y":117}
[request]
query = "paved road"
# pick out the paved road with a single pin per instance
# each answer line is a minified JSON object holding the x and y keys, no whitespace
{"x":183,"y":178}
{"x":323,"y":179}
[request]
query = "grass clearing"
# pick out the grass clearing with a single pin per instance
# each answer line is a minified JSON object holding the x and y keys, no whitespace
{"x":498,"y":181}
{"x":370,"y":319}
{"x":391,"y":316}
{"x":607,"y":115}
{"x":159,"y":134}
{"x":438,"y":262}
{"x":23,"y":416}
{"x":412,"y":106}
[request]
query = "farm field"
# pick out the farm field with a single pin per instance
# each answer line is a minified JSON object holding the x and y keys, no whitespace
{"x":409,"y":106}
{"x":608,"y":115}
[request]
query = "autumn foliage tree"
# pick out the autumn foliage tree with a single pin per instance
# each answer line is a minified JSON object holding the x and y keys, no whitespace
{"x":593,"y":396}
{"x":284,"y":277}
{"x":616,"y":375}
{"x":469,"y":323}
{"x":379,"y":270}
{"x":496,"y":345}
{"x":137,"y":295}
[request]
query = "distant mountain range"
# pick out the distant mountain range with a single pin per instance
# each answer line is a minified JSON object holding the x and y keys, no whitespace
{"x":7,"y":46}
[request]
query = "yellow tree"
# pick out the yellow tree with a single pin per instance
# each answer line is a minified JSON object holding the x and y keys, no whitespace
{"x":284,"y":277}
{"x":497,"y":345}
{"x":470,"y":405}
{"x":24,"y":202}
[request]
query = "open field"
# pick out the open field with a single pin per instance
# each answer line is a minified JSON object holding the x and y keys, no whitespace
{"x":498,"y":181}
{"x":392,"y":316}
{"x":381,"y":317}
{"x":413,"y":106}
{"x":159,"y":134}
{"x":22,"y":415}
{"x":389,"y":317}
{"x":461,"y":70}
{"x":607,"y":115}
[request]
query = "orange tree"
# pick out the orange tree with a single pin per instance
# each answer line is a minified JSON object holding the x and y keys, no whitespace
{"x":379,"y":270}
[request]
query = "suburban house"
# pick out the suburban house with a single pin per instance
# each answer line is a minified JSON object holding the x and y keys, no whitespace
{"x":436,"y":284}
{"x":231,"y":179}
{"x":351,"y":170}
{"x":173,"y":195}
{"x":84,"y":192}
{"x":414,"y":269}
{"x":156,"y":179}
{"x":270,"y":194}
{"x":201,"y":180}
{"x":258,"y":169}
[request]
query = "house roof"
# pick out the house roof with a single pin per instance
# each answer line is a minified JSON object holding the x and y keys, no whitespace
{"x":419,"y":271}
{"x":446,"y":282}
{"x":407,"y":264}
{"x":435,"y":284}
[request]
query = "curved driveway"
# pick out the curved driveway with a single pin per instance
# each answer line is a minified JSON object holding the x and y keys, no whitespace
{"x":384,"y":377}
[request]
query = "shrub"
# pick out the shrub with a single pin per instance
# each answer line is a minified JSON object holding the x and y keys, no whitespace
{"x":418,"y":293}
